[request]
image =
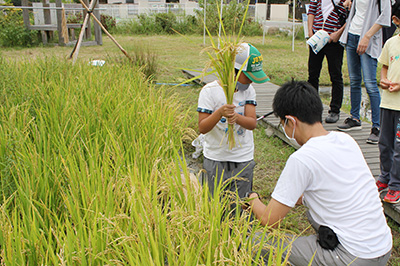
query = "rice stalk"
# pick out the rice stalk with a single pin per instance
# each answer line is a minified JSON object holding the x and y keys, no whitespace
{"x":222,"y":59}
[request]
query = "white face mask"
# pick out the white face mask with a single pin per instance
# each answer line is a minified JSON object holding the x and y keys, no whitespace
{"x":292,"y":140}
{"x":242,"y":87}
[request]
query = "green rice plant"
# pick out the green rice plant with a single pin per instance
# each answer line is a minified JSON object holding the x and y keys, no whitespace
{"x":141,"y":58}
{"x":94,"y":173}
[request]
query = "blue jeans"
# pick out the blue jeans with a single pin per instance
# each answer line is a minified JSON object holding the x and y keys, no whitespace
{"x":367,"y":65}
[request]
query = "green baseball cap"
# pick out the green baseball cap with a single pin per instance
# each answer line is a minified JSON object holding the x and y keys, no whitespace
{"x":253,"y":67}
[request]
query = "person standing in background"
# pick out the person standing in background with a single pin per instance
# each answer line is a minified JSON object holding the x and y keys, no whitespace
{"x":389,"y":141}
{"x":363,"y":39}
{"x":325,"y":14}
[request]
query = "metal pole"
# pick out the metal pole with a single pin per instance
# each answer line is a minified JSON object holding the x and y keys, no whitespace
{"x":255,"y":11}
{"x":263,"y":32}
{"x":294,"y":14}
{"x":204,"y":29}
{"x":220,"y":19}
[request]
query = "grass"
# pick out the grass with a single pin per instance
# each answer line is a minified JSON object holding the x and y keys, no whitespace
{"x":177,"y":52}
{"x":118,"y":240}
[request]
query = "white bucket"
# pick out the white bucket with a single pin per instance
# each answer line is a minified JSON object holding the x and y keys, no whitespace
{"x":97,"y":62}
{"x":318,"y":41}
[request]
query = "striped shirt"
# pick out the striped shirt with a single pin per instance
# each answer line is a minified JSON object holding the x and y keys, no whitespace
{"x":331,"y":22}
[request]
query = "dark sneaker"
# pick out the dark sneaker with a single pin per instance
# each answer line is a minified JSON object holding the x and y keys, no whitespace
{"x":350,"y":124}
{"x":393,"y":196}
{"x":332,"y":117}
{"x":381,"y":186}
{"x":374,"y":136}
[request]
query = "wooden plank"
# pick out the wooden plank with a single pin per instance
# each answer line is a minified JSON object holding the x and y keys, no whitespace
{"x":376,"y":173}
{"x":87,"y":43}
{"x":74,"y":26}
{"x":373,"y":160}
{"x":45,"y":27}
{"x":25,"y":14}
{"x":61,"y":39}
{"x":97,"y":29}
{"x":88,"y":31}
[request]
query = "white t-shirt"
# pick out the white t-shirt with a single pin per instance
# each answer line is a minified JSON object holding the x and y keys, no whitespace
{"x":358,"y":19}
{"x":340,"y":192}
{"x":326,"y":7}
{"x":216,"y":146}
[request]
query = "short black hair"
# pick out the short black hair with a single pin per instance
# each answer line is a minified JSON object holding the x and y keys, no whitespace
{"x":396,"y":9}
{"x":299,"y":99}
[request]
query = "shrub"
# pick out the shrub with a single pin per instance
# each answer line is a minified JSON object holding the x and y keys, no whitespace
{"x":147,"y":24}
{"x":188,"y":25}
{"x":166,"y":22}
{"x":75,"y":18}
{"x":108,"y":22}
{"x":13,"y":31}
{"x":252,"y":28}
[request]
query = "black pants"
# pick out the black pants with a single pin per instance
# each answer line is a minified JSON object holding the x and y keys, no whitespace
{"x":334,"y":56}
{"x":389,"y":148}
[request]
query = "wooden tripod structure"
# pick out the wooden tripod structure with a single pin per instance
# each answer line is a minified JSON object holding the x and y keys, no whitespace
{"x":75,"y":51}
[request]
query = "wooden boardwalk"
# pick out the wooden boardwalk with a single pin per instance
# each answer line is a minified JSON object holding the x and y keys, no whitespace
{"x":265,"y":94}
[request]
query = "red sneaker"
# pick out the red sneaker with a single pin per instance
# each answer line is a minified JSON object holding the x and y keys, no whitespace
{"x":381,"y":186}
{"x":393,"y":196}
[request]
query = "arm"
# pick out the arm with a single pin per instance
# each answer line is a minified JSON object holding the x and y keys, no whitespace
{"x":270,"y":214}
{"x":310,"y":21}
{"x":363,"y":44}
{"x":394,"y":86}
{"x":335,"y":36}
{"x":385,"y":83}
{"x":208,"y":121}
{"x":248,"y":120}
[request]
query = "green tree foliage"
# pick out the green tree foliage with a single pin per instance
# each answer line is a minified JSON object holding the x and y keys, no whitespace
{"x":232,"y":16}
{"x":13,"y":31}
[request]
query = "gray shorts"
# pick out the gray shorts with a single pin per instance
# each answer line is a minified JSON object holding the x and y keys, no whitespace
{"x":236,"y":177}
{"x":307,"y":248}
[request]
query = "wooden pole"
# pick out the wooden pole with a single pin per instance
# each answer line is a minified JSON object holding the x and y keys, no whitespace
{"x":75,"y":51}
{"x":77,"y":46}
{"x":105,"y":30}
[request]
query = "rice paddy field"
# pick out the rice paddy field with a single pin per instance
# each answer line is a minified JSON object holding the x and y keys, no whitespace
{"x":96,"y":167}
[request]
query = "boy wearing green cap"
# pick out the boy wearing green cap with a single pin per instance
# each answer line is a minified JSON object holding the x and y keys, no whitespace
{"x":214,"y":116}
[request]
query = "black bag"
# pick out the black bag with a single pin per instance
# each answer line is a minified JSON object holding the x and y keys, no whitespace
{"x":342,"y":16}
{"x":327,"y":238}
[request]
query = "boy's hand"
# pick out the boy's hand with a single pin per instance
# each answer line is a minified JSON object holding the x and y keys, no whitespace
{"x":347,"y":4}
{"x":394,"y":86}
{"x":227,"y":110}
{"x":385,"y":84}
{"x":232,"y":120}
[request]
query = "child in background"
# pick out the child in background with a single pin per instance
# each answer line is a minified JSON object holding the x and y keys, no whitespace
{"x":215,"y":115}
{"x":389,"y":141}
